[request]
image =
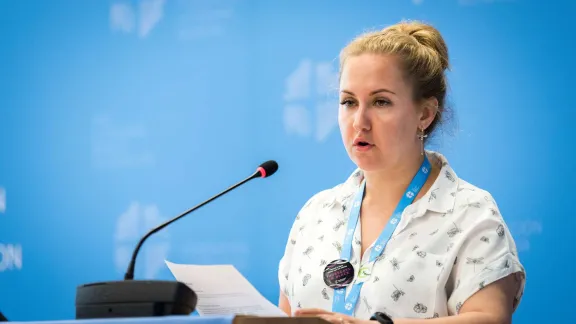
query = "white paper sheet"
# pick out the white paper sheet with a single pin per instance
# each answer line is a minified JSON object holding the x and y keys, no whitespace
{"x":223,"y":290}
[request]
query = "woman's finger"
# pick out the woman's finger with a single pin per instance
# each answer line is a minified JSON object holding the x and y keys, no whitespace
{"x":336,"y":318}
{"x":330,"y":318}
{"x":311,"y":311}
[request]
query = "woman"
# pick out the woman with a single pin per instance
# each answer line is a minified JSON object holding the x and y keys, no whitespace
{"x":403,"y":240}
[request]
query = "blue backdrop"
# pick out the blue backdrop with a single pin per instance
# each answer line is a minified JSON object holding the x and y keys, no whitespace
{"x":115,"y":115}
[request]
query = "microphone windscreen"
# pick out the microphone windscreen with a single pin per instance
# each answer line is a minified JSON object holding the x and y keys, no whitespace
{"x":268,"y":168}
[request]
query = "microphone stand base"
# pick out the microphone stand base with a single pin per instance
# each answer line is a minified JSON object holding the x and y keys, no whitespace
{"x":134,"y":298}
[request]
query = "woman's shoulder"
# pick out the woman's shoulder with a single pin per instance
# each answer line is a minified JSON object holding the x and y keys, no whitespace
{"x":476,"y":211}
{"x":473,"y":203}
{"x":469,"y":195}
{"x":454,"y":195}
{"x":332,"y":196}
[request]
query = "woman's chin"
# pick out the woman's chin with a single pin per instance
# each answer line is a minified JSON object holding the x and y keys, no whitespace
{"x":367,"y":163}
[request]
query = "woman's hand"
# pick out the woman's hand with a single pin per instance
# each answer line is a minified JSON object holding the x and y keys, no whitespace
{"x":334,"y":318}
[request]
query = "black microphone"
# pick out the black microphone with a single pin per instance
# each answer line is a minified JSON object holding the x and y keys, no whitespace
{"x":144,"y":298}
{"x":266,"y":169}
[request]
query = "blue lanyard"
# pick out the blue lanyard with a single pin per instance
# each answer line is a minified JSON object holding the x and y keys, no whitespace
{"x":344,"y":305}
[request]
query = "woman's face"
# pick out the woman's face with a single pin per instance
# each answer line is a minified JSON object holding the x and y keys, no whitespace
{"x":379,"y":120}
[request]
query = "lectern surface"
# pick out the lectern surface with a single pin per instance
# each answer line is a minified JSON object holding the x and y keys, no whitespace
{"x":191,"y":320}
{"x":145,"y":320}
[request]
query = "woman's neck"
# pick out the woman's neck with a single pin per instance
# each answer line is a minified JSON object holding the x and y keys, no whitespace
{"x":386,"y":187}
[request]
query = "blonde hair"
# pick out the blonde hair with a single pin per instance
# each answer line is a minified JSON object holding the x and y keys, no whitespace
{"x":423,"y":55}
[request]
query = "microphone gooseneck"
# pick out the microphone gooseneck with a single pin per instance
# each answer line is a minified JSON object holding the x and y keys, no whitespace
{"x":265,"y":170}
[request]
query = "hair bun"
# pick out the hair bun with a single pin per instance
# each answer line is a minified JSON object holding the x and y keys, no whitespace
{"x":430,"y":37}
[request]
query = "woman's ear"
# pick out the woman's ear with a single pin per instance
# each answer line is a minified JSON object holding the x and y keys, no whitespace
{"x":428,"y":111}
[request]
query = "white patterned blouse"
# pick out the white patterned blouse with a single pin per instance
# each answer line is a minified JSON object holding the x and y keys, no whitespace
{"x":448,"y":245}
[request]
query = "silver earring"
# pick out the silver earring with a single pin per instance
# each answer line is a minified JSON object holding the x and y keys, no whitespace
{"x":421,"y":137}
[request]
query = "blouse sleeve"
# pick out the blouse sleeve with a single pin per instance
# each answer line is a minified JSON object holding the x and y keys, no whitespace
{"x":486,"y":254}
{"x":296,"y":230}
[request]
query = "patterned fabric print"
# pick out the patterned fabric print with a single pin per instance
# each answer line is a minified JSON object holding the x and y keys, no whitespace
{"x":448,"y":245}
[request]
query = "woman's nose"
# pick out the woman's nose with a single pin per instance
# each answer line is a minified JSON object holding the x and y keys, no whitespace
{"x":362,"y":119}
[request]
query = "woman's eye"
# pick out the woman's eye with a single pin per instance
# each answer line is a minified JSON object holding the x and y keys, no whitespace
{"x":347,"y":102}
{"x":382,"y":102}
